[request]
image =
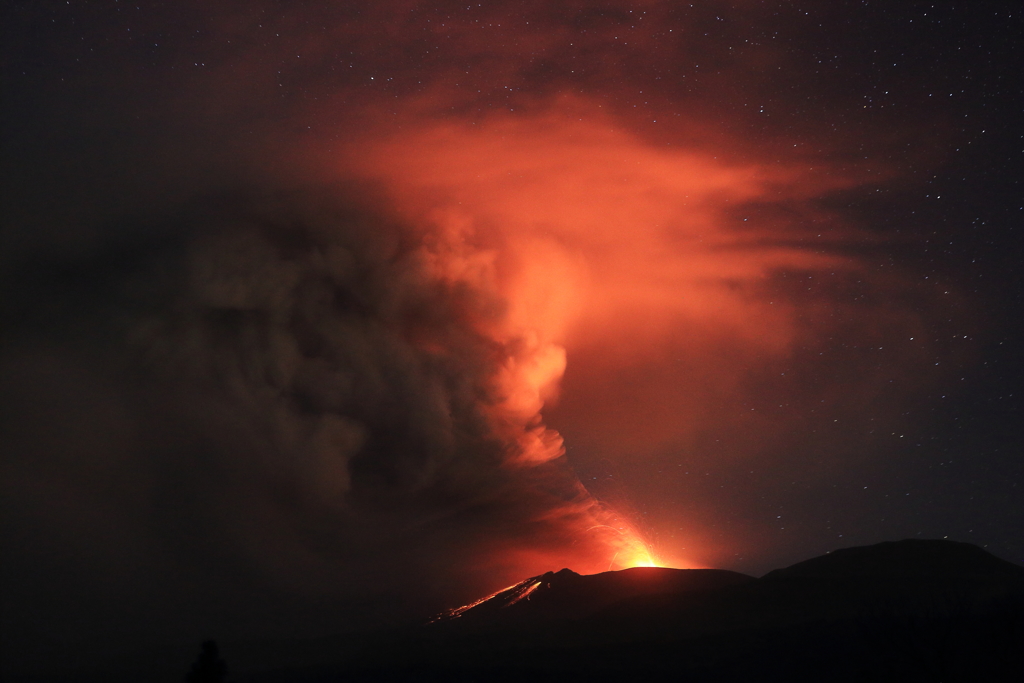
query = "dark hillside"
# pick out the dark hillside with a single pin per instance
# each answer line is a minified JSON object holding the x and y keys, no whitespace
{"x":906,"y":611}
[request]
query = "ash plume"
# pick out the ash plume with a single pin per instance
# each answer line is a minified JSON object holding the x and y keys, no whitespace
{"x":284,"y":381}
{"x":318,"y":316}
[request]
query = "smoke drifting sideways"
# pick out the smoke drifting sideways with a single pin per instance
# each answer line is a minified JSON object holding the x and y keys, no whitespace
{"x":676,"y":286}
{"x":319,"y":402}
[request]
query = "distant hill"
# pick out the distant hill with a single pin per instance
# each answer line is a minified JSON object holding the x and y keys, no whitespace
{"x":910,"y":558}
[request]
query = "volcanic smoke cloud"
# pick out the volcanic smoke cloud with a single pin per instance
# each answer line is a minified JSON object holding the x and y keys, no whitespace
{"x":662,"y":275}
{"x":332,"y":383}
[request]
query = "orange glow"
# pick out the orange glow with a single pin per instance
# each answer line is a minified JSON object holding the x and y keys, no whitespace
{"x":630,"y":549}
{"x":643,"y":561}
{"x":523,"y":594}
{"x":457,"y":612}
{"x":605,"y":249}
{"x":511,"y":595}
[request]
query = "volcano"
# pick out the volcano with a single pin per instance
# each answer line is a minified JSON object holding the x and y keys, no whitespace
{"x":914,"y":610}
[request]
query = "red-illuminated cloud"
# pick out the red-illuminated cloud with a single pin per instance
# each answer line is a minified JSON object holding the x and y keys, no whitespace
{"x":608,"y":253}
{"x":598,"y":252}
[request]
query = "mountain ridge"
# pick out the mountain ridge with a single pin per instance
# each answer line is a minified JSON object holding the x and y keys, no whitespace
{"x":914,"y":610}
{"x":566,"y":594}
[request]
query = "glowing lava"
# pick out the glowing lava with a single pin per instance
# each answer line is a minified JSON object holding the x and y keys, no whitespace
{"x":631,"y":550}
{"x":506,"y":597}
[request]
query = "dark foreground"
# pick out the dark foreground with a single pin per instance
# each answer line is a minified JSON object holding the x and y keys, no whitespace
{"x":906,"y":611}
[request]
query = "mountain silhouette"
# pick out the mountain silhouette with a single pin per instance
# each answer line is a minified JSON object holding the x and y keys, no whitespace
{"x":568,"y":595}
{"x":910,"y":558}
{"x":915,"y":610}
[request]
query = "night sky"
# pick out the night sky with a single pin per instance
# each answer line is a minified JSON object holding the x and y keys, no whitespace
{"x":320,"y":316}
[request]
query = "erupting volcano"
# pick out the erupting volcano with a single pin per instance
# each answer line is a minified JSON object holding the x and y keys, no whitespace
{"x":325,"y":317}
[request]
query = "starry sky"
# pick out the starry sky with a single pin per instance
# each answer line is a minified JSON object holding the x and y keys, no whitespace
{"x":323,"y":315}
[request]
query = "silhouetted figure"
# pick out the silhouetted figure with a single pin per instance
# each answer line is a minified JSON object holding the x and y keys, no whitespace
{"x":209,"y":668}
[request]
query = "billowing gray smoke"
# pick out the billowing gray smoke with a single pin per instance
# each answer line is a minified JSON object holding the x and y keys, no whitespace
{"x":262,"y":407}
